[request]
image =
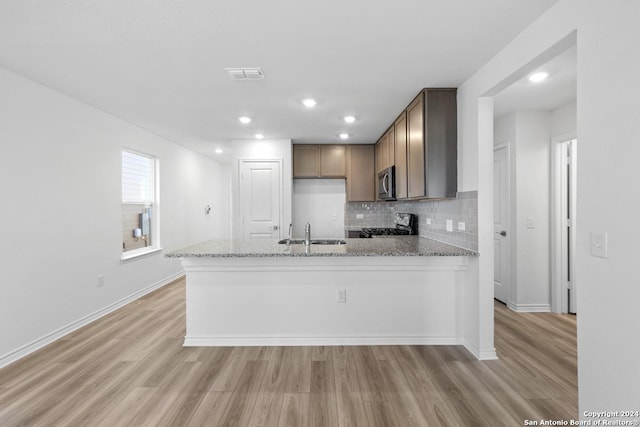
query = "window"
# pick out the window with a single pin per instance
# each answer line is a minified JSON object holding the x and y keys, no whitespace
{"x":139,"y":206}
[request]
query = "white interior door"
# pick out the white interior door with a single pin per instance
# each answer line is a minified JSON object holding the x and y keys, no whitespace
{"x":260,"y":199}
{"x":501,"y":224}
{"x":568,"y":221}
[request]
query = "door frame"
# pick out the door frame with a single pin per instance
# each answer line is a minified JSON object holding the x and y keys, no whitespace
{"x":559,"y":298}
{"x":510,"y":271}
{"x":241,"y":163}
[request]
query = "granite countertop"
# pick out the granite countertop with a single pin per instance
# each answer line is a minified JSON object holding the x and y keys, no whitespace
{"x":385,"y":246}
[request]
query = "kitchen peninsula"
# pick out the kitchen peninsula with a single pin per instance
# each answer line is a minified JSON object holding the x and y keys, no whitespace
{"x":396,"y":290}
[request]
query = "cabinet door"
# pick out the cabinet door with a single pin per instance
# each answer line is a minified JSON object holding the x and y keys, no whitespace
{"x":415,"y":147}
{"x":390,"y":148}
{"x":305,"y":161}
{"x":441,"y":153}
{"x":400,"y":156}
{"x":381,"y":155}
{"x":333,"y":161}
{"x":360,"y":173}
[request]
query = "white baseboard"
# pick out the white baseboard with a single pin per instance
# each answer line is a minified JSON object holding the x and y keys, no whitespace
{"x":530,"y":308}
{"x":37,"y":344}
{"x":481,"y":354}
{"x":319,"y":341}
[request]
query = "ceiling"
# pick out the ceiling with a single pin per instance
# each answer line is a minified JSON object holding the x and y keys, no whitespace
{"x":160,"y":63}
{"x":558,"y":89}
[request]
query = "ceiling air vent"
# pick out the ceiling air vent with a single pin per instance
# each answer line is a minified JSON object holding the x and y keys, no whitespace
{"x":245,"y":73}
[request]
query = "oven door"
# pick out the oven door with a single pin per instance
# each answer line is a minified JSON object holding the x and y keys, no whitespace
{"x":386,"y":185}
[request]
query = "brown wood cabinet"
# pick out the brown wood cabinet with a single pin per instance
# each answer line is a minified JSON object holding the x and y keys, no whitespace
{"x":360,"y":173}
{"x":319,"y":161}
{"x":441,"y":144}
{"x":415,"y":147}
{"x":431,"y":146}
{"x":385,"y":151}
{"x":333,"y":161}
{"x":305,"y":161}
{"x":400,"y":155}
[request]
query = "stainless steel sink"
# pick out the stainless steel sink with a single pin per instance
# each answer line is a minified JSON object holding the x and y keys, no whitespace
{"x":313,"y":242}
{"x":328,"y":242}
{"x":291,"y":242}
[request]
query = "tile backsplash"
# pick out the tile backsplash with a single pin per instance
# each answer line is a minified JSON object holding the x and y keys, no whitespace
{"x":463,"y":209}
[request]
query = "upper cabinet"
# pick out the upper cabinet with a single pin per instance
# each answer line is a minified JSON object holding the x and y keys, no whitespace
{"x":441,"y":144}
{"x":360,"y":173}
{"x":384,"y":150}
{"x":319,"y":161}
{"x":333,"y":161}
{"x":353,"y":162}
{"x":400,"y":155}
{"x":425,"y":147}
{"x":415,"y":148}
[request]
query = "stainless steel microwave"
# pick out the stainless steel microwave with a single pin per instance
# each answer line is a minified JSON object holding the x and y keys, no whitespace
{"x":387,"y":184}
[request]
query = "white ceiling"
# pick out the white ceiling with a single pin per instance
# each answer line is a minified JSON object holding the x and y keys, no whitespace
{"x":557,"y":90}
{"x":160,"y":63}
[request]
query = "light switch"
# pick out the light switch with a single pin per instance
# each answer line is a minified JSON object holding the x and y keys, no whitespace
{"x":428,"y":221}
{"x":449,"y":225}
{"x":599,"y":244}
{"x":530,"y":222}
{"x":462,"y":226}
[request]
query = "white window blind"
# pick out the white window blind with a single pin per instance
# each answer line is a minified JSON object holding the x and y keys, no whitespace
{"x":137,"y":178}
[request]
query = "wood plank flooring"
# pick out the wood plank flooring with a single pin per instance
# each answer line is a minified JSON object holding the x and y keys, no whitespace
{"x":130,"y":369}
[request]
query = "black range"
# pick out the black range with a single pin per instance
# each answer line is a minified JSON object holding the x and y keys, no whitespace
{"x":405,"y":224}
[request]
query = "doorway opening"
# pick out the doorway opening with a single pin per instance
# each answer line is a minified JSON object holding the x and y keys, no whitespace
{"x":564,"y":298}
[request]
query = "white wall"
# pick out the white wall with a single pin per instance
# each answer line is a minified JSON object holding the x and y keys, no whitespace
{"x":277,"y":149}
{"x":564,"y":122}
{"x":607,"y":112}
{"x":60,"y":219}
{"x":321,"y":203}
{"x":532,"y":198}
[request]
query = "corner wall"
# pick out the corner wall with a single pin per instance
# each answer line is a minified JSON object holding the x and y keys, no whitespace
{"x":61,"y":218}
{"x":607,"y":112}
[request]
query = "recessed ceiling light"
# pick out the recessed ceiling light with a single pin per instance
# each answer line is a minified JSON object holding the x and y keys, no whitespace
{"x":344,"y":135}
{"x":538,"y":77}
{"x":349,"y":119}
{"x":259,"y":136}
{"x":244,"y":119}
{"x":218,"y":150}
{"x":309,"y":102}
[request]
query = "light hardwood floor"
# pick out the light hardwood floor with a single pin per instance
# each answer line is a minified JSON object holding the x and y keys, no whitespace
{"x":130,"y":369}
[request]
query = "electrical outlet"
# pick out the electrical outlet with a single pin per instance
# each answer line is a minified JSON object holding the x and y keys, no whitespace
{"x":342,"y":295}
{"x":101,"y":280}
{"x":530,"y":223}
{"x":462,"y":226}
{"x":334,"y":217}
{"x":449,"y":225}
{"x":359,"y":216}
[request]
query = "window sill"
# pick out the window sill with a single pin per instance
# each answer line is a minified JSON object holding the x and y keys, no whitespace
{"x":138,"y":254}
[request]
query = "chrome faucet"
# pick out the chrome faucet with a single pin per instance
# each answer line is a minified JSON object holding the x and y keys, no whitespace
{"x":289,"y":239}
{"x":307,"y":234}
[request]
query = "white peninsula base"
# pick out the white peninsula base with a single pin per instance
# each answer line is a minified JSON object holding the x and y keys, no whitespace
{"x":276,"y":301}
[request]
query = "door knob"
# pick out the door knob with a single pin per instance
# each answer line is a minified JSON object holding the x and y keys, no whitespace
{"x":502,"y":233}
{"x":275,"y":227}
